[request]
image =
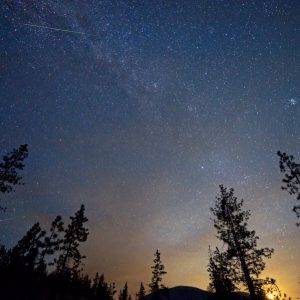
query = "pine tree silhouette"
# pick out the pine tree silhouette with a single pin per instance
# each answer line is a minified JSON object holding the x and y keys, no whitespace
{"x":20,"y":270}
{"x":221,"y":273}
{"x":158,"y":271}
{"x":232,"y":228}
{"x":51,"y":243}
{"x":9,"y":169}
{"x":123,"y":295}
{"x":70,"y":259}
{"x":23,"y":269}
{"x":101,"y":289}
{"x":140,"y":295}
{"x":291,"y":178}
{"x":26,"y":252}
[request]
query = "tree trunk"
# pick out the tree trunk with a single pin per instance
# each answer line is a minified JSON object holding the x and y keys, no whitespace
{"x":245,"y":269}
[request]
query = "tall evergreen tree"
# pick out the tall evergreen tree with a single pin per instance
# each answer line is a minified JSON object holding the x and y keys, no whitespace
{"x":101,"y":289}
{"x":291,"y":179}
{"x":75,"y":233}
{"x":10,"y":166}
{"x":232,"y":228}
{"x":222,"y":274}
{"x":25,"y":254}
{"x":158,"y":271}
{"x":140,"y":295}
{"x":124,"y":293}
{"x":19,"y":270}
{"x":52,"y":243}
{"x":95,"y":283}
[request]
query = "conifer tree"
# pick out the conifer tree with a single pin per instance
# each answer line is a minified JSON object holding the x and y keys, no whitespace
{"x":158,"y":271}
{"x":12,"y":163}
{"x":95,"y":283}
{"x":140,"y":295}
{"x":101,"y":289}
{"x":222,"y":274}
{"x":232,"y":228}
{"x":85,"y":284}
{"x":51,"y":243}
{"x":291,"y":179}
{"x":124,"y":293}
{"x":75,"y":233}
{"x":25,"y":254}
{"x":9,"y":169}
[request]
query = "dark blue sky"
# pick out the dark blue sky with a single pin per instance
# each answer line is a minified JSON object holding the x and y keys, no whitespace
{"x":143,"y":115}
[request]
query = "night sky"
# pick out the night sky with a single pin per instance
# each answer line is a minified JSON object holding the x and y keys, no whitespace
{"x":140,"y":113}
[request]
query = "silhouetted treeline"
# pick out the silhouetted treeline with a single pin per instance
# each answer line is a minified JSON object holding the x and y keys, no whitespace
{"x":48,"y":265}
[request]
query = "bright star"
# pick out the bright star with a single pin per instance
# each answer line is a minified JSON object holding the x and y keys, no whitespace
{"x":292,"y":101}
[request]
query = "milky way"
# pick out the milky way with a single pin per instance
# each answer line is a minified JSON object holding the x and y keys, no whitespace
{"x":143,"y":116}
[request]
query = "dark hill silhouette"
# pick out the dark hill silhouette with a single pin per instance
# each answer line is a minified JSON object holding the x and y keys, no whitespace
{"x":193,"y":293}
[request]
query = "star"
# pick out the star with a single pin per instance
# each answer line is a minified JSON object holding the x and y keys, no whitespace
{"x":292,"y":101}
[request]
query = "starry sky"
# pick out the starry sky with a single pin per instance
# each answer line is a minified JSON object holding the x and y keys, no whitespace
{"x":139,"y":110}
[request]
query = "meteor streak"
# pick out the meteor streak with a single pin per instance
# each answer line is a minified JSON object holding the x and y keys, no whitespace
{"x":10,"y":219}
{"x":57,"y":29}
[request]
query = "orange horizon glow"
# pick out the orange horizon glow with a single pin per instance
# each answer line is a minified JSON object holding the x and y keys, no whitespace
{"x":270,"y":296}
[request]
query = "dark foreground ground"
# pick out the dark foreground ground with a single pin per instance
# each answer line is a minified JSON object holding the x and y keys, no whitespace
{"x":176,"y":293}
